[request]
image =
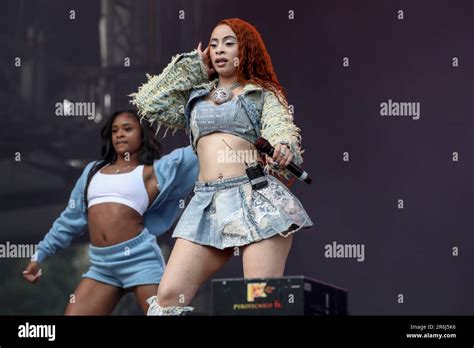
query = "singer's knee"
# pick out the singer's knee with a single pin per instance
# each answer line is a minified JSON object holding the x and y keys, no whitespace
{"x":170,"y":295}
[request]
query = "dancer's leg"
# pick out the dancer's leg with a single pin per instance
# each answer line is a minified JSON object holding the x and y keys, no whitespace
{"x":144,"y":292}
{"x":92,"y":297}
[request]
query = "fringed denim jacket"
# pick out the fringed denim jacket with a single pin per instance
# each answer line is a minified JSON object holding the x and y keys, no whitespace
{"x":168,"y":99}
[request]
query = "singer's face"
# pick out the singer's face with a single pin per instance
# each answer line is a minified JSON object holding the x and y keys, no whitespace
{"x":224,"y":50}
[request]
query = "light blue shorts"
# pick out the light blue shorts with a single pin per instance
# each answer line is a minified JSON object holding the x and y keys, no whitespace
{"x":228,"y":213}
{"x":137,"y":261}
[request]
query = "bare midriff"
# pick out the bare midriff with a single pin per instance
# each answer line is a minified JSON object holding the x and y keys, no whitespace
{"x":112,"y":223}
{"x":214,"y":164}
{"x":218,"y":161}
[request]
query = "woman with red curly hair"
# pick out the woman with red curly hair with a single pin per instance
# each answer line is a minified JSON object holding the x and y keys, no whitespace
{"x":226,"y":97}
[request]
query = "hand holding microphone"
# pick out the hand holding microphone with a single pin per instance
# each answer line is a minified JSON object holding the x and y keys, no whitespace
{"x":284,"y":156}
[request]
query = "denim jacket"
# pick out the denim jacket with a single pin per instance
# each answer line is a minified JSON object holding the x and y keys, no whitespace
{"x":168,"y":99}
{"x":176,"y":173}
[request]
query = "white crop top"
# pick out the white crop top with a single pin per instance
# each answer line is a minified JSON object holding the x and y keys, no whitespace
{"x":126,"y":188}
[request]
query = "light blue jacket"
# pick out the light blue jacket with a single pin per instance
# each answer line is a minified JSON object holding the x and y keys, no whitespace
{"x":176,"y":173}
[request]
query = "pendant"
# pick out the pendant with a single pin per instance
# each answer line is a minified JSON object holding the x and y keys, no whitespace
{"x":221,"y":95}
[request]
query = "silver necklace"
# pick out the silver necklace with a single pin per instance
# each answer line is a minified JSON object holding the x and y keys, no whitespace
{"x":118,"y":170}
{"x":223,"y":94}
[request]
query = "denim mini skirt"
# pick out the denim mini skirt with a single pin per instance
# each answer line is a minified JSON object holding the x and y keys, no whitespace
{"x":228,"y":213}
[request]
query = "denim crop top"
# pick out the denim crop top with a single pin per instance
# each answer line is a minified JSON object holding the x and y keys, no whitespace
{"x":229,"y":117}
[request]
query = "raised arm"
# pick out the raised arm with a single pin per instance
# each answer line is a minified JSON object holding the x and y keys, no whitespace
{"x":163,"y":97}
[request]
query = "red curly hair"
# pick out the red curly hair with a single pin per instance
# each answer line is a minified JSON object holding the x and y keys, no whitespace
{"x":255,"y":65}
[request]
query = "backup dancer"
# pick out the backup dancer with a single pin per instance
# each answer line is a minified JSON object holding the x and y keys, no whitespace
{"x":125,"y":199}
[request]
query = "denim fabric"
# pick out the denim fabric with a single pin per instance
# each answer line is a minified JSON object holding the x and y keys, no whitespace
{"x":176,"y":173}
{"x":229,"y":117}
{"x":168,"y":99}
{"x":228,"y":212}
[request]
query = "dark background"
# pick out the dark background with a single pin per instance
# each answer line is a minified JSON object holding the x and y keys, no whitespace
{"x":407,"y":251}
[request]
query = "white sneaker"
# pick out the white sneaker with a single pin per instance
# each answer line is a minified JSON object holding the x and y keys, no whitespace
{"x":156,"y":309}
{"x":153,"y":308}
